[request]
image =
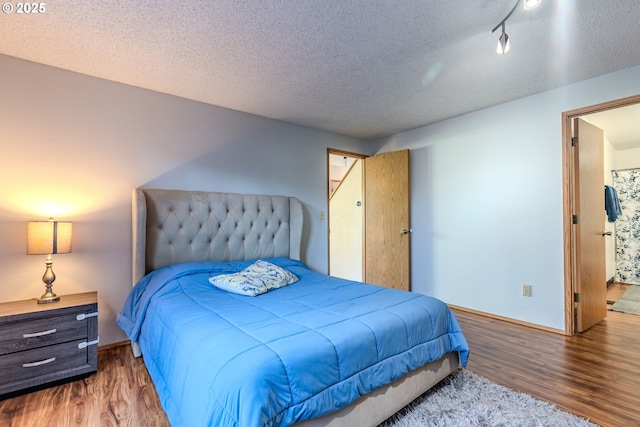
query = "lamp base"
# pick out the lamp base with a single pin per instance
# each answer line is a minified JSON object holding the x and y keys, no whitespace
{"x":48,"y":278}
{"x":48,"y":298}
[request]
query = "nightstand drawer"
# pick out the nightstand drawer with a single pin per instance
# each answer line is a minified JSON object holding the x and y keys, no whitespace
{"x":20,"y":336}
{"x":39,"y":342}
{"x":44,"y":360}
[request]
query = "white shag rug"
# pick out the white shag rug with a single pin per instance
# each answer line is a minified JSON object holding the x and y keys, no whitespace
{"x":465,"y":399}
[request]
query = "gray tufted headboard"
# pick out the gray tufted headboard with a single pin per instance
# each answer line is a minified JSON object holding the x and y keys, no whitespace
{"x":174,"y":226}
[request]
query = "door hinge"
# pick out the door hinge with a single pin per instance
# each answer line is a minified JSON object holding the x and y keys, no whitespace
{"x":576,"y":297}
{"x":575,"y":219}
{"x":574,"y":141}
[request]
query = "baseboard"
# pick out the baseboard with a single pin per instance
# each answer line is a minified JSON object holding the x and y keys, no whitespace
{"x":610,"y":281}
{"x":508,"y":319}
{"x":113,"y":345}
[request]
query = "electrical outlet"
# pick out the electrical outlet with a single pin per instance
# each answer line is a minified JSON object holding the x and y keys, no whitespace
{"x":526,"y":290}
{"x":321,"y":216}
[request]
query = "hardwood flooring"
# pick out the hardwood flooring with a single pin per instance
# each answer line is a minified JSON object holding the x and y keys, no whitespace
{"x":595,"y":375}
{"x":615,"y":291}
{"x":120,"y":394}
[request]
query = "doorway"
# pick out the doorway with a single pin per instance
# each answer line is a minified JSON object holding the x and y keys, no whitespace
{"x":345,"y":194}
{"x":574,"y":252}
{"x":379,"y":219}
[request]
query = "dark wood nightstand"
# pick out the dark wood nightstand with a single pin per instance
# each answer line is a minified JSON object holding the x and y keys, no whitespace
{"x":47,"y":344}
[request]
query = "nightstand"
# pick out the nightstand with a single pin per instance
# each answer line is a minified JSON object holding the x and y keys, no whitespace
{"x":47,"y":344}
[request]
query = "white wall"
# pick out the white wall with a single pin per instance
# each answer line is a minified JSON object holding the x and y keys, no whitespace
{"x":628,"y":159}
{"x":74,"y":147}
{"x":487,"y":201}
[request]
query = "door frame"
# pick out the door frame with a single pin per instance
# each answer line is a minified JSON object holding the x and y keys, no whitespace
{"x":569,"y":198}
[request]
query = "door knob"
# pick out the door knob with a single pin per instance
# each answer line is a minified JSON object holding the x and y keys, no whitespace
{"x":606,"y":233}
{"x":405,"y":231}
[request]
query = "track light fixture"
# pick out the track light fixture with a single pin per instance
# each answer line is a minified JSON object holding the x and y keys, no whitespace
{"x":503,"y":40}
{"x":531,"y":4}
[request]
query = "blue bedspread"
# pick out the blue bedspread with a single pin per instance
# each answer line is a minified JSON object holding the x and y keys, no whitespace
{"x":298,"y":352}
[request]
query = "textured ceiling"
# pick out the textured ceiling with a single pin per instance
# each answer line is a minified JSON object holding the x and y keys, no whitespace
{"x":360,"y":68}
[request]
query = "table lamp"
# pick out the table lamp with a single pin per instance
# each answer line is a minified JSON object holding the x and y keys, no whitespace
{"x":48,"y":238}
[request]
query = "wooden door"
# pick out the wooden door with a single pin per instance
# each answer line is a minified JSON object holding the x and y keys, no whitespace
{"x":589,"y":231}
{"x":387,"y":226}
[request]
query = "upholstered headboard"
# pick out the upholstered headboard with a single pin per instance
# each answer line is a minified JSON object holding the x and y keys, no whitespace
{"x":174,"y":226}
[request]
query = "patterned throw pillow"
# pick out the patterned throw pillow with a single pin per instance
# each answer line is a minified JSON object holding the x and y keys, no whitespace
{"x":258,"y":278}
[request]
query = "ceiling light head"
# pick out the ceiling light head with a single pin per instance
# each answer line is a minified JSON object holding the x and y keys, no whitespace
{"x":531,"y":4}
{"x":503,"y":42}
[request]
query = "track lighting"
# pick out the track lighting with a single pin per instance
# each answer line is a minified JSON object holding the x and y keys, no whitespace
{"x":531,"y":4}
{"x":503,"y":40}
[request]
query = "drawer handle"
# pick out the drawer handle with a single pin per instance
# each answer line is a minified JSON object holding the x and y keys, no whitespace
{"x":83,"y":316}
{"x":42,"y":362}
{"x":39,"y":334}
{"x":85,"y":344}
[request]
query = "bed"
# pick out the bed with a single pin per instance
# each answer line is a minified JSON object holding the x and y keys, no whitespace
{"x":313,"y":351}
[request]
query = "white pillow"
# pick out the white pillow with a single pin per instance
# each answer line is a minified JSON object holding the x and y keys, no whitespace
{"x":258,"y":278}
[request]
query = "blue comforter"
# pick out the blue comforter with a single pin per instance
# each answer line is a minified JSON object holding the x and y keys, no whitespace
{"x":294,"y":353}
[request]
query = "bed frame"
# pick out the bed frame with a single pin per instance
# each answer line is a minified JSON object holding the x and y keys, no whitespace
{"x":175,"y":226}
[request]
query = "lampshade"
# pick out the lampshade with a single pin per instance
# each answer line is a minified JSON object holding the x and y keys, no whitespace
{"x":48,"y":237}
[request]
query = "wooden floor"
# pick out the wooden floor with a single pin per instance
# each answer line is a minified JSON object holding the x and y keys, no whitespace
{"x":595,"y":375}
{"x":120,"y":394}
{"x":615,"y":291}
